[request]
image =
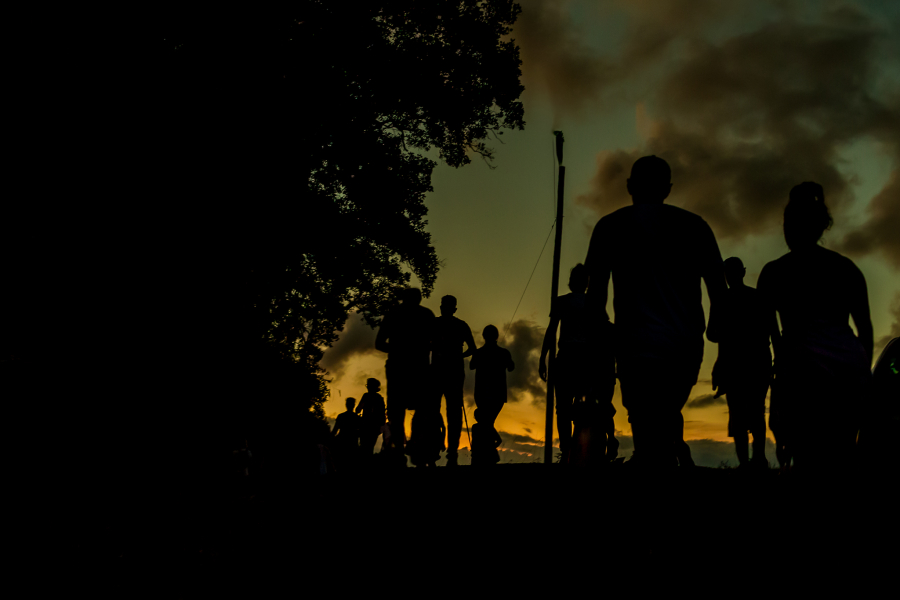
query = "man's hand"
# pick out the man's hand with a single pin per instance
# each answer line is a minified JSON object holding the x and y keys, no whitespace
{"x":542,"y":370}
{"x":715,"y":384}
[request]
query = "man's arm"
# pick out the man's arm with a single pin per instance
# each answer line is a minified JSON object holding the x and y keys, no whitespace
{"x":712,"y":271}
{"x":859,"y":310}
{"x":599,"y":265}
{"x":469,"y":341}
{"x":764,"y":288}
{"x":549,"y":343}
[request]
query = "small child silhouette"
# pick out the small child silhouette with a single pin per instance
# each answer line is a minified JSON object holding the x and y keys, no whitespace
{"x":490,"y":363}
{"x":485,"y":441}
{"x":371,"y":405}
{"x":346,"y":436}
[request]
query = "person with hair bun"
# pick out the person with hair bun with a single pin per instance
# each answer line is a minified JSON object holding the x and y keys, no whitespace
{"x":821,"y":366}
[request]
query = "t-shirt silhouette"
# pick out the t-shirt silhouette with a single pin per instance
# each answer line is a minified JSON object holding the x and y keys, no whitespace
{"x":449,"y":335}
{"x":371,"y":405}
{"x":657,"y":255}
{"x":811,"y":290}
{"x":490,"y":363}
{"x":574,"y":321}
{"x":408,"y":330}
{"x":741,"y":324}
{"x":347,"y":424}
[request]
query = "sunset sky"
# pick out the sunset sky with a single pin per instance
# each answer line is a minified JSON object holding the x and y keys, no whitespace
{"x":744,"y":99}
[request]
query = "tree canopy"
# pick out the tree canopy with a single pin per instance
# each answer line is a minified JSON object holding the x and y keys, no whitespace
{"x":321,"y":120}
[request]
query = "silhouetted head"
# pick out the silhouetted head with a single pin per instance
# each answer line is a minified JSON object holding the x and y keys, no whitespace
{"x":490,"y":334}
{"x":806,"y":217}
{"x":372,"y":384}
{"x":448,"y":306}
{"x":410,"y":296}
{"x":734,"y":271}
{"x":477,"y":414}
{"x":350,"y":403}
{"x":578,"y":278}
{"x":650,"y":181}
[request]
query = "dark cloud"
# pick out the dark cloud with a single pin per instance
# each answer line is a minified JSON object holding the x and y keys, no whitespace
{"x":555,"y":59}
{"x":516,"y":448}
{"x":559,"y":60}
{"x":356,"y":340}
{"x":524,"y":340}
{"x":881,"y":232}
{"x":705,"y":401}
{"x":743,"y":120}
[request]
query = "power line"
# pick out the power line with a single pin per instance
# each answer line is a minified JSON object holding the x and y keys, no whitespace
{"x":505,"y":331}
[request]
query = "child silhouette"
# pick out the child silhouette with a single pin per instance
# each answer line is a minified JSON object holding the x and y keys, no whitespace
{"x":490,"y":363}
{"x":371,"y":405}
{"x":485,"y":441}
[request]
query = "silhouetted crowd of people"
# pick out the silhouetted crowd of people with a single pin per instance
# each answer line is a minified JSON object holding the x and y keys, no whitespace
{"x":657,"y":255}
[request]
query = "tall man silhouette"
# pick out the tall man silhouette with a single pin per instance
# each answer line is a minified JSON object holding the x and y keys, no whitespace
{"x":449,"y":370}
{"x":405,"y":334}
{"x":657,"y":254}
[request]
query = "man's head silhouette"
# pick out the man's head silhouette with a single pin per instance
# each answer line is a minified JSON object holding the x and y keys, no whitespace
{"x":350,"y":403}
{"x":490,"y":334}
{"x":734,"y":271}
{"x":806,"y":216}
{"x":650,"y":181}
{"x":578,"y":278}
{"x":448,"y":306}
{"x":410,"y":296}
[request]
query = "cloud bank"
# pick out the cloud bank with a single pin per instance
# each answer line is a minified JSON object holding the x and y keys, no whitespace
{"x":742,"y":116}
{"x":356,"y":340}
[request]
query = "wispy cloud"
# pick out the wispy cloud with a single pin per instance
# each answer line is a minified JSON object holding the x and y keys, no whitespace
{"x":705,"y":401}
{"x":356,"y":340}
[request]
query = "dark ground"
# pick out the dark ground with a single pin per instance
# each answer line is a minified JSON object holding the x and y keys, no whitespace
{"x":520,"y":516}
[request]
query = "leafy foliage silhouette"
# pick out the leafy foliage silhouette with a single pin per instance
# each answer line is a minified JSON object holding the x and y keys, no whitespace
{"x":319,"y":118}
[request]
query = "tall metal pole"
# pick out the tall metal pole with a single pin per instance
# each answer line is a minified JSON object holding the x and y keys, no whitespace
{"x":548,"y":432}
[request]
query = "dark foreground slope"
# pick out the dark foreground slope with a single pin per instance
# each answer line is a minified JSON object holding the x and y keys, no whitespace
{"x":520,"y":516}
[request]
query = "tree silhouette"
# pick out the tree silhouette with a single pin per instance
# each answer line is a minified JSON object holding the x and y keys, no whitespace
{"x":324,"y":123}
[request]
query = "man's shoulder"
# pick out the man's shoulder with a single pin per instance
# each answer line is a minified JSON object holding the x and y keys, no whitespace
{"x":459,"y":323}
{"x":616,"y":216}
{"x":424,"y":312}
{"x":676,"y":213}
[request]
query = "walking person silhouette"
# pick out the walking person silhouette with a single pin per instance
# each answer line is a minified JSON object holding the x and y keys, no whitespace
{"x":485,"y":440}
{"x":585,"y":366}
{"x":821,"y":367}
{"x":657,"y":255}
{"x":490,"y":363}
{"x":449,"y":369}
{"x":743,"y":370}
{"x":372,"y":410}
{"x":405,"y":334}
{"x":346,"y":436}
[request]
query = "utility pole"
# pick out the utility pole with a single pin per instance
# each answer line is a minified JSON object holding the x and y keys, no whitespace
{"x":548,"y":432}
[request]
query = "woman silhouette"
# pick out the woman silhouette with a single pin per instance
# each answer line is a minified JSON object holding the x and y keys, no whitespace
{"x":821,"y":367}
